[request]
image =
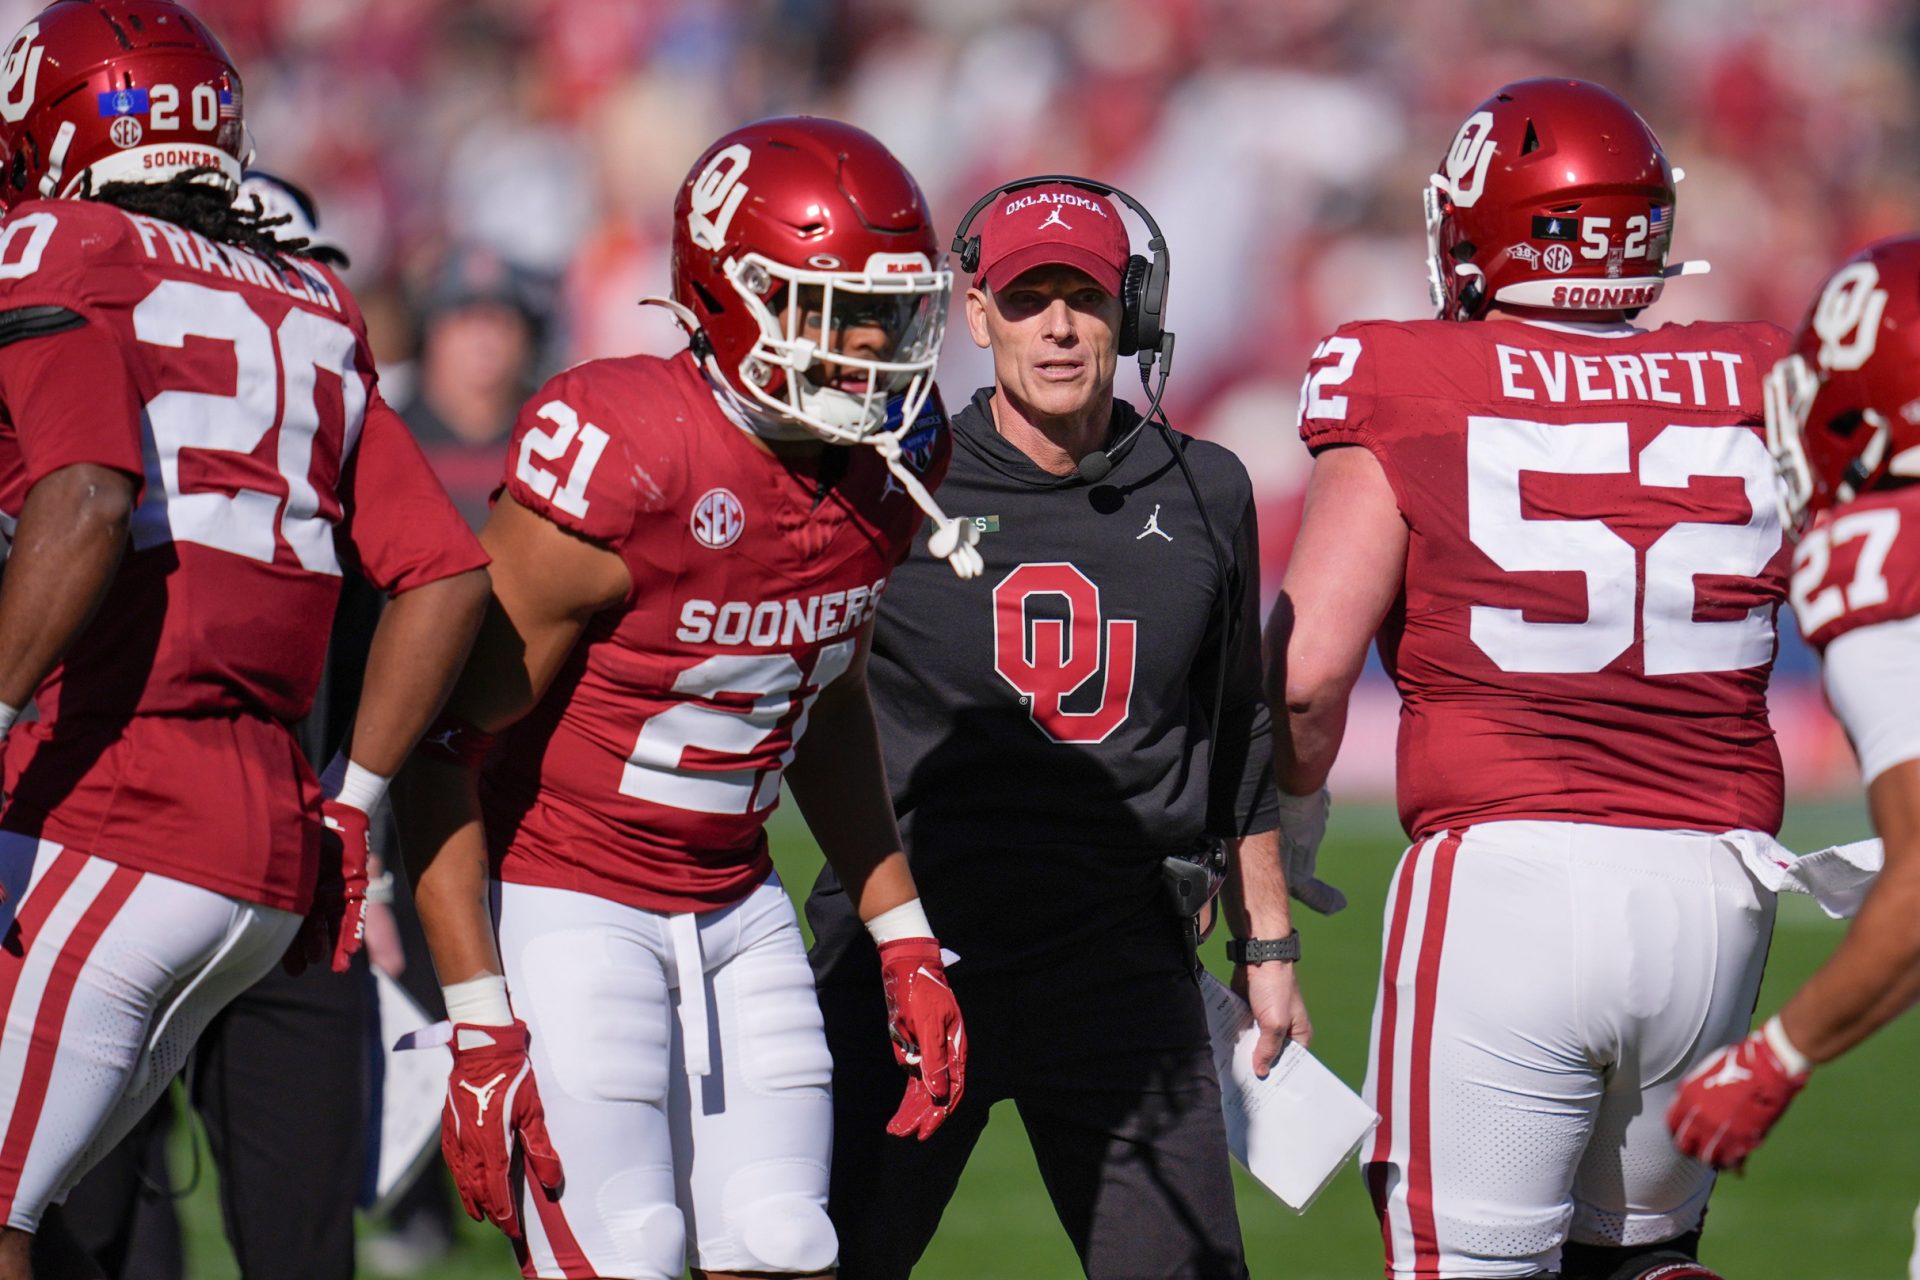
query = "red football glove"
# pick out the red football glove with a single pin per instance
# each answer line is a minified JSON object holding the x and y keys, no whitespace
{"x":1729,"y":1102}
{"x":929,"y":1039}
{"x":492,"y":1100}
{"x":337,"y":921}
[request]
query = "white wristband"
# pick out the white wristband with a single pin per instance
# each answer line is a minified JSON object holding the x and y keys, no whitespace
{"x":1790,"y":1057}
{"x":358,"y":786}
{"x":8,"y":715}
{"x":908,"y":920}
{"x":480,"y":1002}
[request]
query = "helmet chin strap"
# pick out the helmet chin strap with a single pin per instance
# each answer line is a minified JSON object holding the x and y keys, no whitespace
{"x":954,"y":541}
{"x":742,"y":412}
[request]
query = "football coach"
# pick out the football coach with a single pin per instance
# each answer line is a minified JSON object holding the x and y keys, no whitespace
{"x":1053,"y":731}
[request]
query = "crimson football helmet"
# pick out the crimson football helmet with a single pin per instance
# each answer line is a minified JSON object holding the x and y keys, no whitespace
{"x":1555,"y":194}
{"x":99,"y":91}
{"x":1843,"y":409}
{"x":818,"y":214}
{"x":789,"y":233}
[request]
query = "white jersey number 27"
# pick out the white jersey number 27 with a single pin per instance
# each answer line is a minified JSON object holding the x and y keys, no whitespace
{"x":1674,"y":642}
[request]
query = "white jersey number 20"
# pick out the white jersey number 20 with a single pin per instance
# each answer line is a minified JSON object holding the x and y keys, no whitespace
{"x":272,"y":366}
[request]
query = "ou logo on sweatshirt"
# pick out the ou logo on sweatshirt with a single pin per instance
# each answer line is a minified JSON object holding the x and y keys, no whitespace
{"x":1047,"y":660}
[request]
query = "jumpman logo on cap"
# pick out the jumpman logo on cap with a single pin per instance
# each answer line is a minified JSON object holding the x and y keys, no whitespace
{"x":1054,"y":220}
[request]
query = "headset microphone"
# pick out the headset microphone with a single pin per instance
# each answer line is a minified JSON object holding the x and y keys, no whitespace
{"x":1094,"y":467}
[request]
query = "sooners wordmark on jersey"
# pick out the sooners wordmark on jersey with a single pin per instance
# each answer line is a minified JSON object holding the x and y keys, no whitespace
{"x":648,"y":771}
{"x":1594,"y":565}
{"x":242,"y":396}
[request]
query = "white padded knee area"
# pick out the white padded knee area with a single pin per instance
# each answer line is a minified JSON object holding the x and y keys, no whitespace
{"x":788,"y":1233}
{"x":651,"y":1239}
{"x":777,"y":1218}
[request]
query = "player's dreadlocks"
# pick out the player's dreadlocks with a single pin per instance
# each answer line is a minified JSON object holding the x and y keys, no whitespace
{"x":188,"y":201}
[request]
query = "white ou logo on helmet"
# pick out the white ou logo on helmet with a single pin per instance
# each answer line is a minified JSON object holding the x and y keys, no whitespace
{"x":718,"y":519}
{"x":716,"y":194}
{"x":1467,"y":162}
{"x":1847,"y":317}
{"x":20,"y":74}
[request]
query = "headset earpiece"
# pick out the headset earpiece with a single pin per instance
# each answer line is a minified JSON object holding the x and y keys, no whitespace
{"x":969,"y":251}
{"x":1133,"y":288}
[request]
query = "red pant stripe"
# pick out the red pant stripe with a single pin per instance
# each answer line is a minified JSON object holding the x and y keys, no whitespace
{"x":50,"y":1018}
{"x":567,"y":1254}
{"x":1377,"y":1167}
{"x":1426,"y":1244}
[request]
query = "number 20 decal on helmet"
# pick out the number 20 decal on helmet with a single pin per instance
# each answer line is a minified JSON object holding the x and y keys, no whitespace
{"x":100,"y":91}
{"x":1843,"y":408}
{"x":1554,"y":195}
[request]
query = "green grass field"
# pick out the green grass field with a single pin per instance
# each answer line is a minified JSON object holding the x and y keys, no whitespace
{"x":1832,"y":1194}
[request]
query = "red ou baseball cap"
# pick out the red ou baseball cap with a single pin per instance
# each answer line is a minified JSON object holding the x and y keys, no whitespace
{"x":1058,"y":224}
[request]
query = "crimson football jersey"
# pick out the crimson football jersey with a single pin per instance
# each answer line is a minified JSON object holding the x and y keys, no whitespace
{"x":243,"y":398}
{"x":1594,"y":565}
{"x":649,"y":769}
{"x":1859,"y":566}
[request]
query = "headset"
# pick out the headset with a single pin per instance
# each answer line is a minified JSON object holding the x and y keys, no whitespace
{"x":1143,"y":302}
{"x":1143,"y":333}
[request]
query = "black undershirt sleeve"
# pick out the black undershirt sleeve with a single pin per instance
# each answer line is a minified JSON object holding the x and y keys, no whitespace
{"x":1241,"y":796}
{"x":21,"y":323}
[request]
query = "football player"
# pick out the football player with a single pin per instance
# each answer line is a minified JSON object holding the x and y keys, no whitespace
{"x":192,"y":447}
{"x":1843,"y":420}
{"x":688,"y":556}
{"x":1561,"y":528}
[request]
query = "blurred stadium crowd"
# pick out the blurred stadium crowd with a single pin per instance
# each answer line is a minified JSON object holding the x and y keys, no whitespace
{"x":501,"y":170}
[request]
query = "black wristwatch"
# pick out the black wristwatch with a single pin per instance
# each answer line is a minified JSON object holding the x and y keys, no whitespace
{"x":1260,"y":950}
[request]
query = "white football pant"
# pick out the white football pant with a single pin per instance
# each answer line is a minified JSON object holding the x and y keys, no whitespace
{"x":693,"y":1118}
{"x":108,"y":975}
{"x":1545,"y":986}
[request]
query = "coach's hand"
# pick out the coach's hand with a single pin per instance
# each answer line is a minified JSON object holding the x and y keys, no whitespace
{"x":1303,"y":825}
{"x":929,"y":1040}
{"x":336,"y":923}
{"x":1727,"y":1104}
{"x":492,"y":1102}
{"x":1273,"y":991}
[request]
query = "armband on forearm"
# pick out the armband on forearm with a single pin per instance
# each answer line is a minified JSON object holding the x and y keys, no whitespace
{"x":454,"y":741}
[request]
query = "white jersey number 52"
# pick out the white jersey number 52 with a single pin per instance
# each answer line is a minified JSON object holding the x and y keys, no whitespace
{"x":1674,"y":642}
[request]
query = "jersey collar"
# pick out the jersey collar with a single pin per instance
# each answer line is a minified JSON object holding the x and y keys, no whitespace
{"x":1617,"y":329}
